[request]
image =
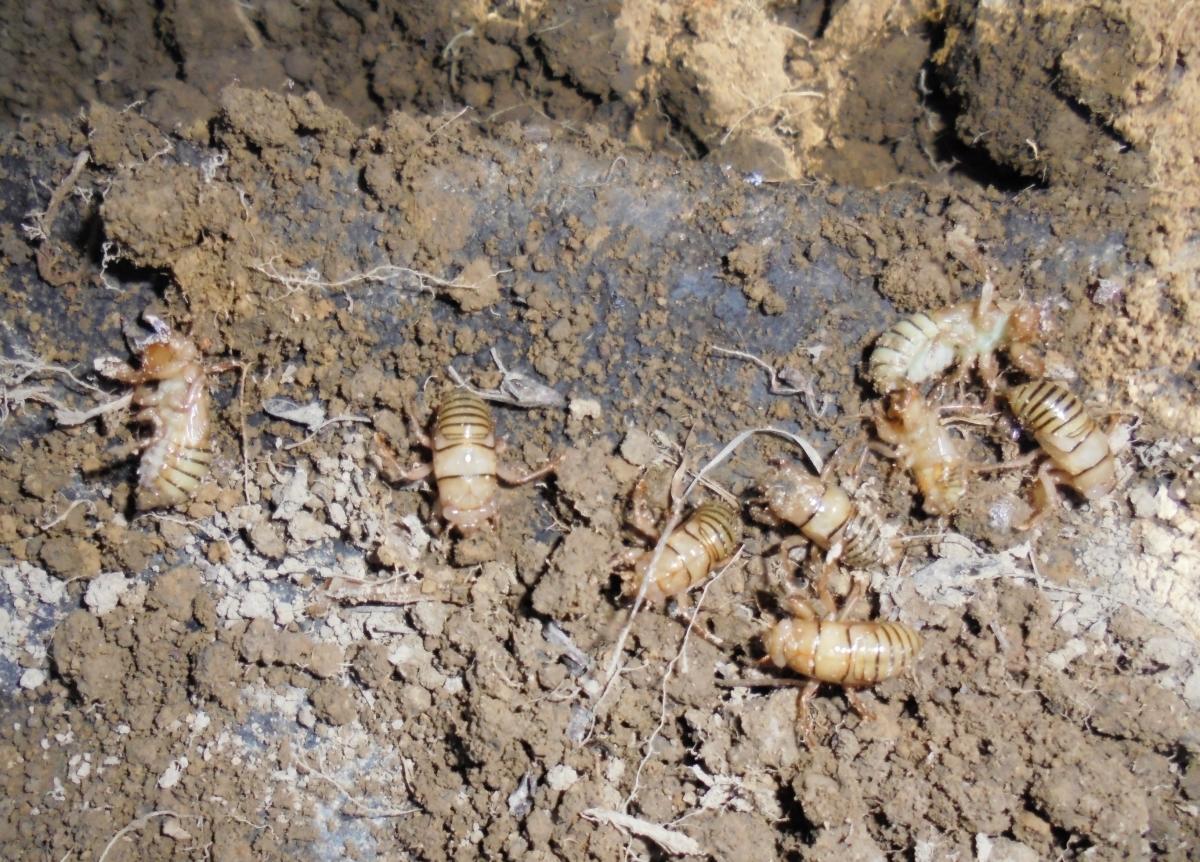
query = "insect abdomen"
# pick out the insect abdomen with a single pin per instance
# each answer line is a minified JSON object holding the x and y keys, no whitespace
{"x":179,"y":455}
{"x":852,"y":654}
{"x":463,"y":416}
{"x":464,"y":460}
{"x":862,"y":540}
{"x":692,"y":550}
{"x":1067,"y":433}
{"x":170,"y":473}
{"x":908,"y":352}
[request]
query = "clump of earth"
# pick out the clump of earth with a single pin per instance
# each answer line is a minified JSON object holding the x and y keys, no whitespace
{"x":638,"y":230}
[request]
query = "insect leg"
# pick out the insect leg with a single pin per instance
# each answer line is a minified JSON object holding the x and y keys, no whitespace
{"x":824,"y":593}
{"x":640,"y":516}
{"x":857,"y":590}
{"x":889,"y":452}
{"x":151,"y":417}
{"x":989,"y":373}
{"x":415,"y":429}
{"x":1011,"y":464}
{"x":122,"y":372}
{"x":385,"y":457}
{"x":416,"y":473}
{"x":1045,"y":495}
{"x":859,"y":706}
{"x":679,"y":612}
{"x":508,"y":476}
{"x":803,"y":715}
{"x":787,"y":546}
{"x":798,"y":607}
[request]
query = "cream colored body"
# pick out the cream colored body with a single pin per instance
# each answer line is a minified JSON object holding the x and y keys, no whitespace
{"x":825,"y":516}
{"x":1077,"y":448}
{"x":923,"y":445}
{"x":923,"y":345}
{"x":833,"y":648}
{"x":466,"y":466}
{"x":464,"y":461}
{"x":465,"y":473}
{"x":179,"y":456}
{"x":850,"y":653}
{"x":690,"y":553}
{"x":172,"y":392}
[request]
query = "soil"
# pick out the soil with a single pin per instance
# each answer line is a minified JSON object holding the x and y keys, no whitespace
{"x":570,"y":208}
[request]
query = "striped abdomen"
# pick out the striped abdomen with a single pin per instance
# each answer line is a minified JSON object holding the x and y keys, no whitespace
{"x":915,"y":348}
{"x":824,"y":514}
{"x":692,"y":550}
{"x":862,"y":541}
{"x":1067,"y":434}
{"x":852,"y":654}
{"x":464,"y":460}
{"x":178,"y":456}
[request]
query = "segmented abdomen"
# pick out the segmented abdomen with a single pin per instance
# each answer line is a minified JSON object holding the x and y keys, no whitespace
{"x":180,"y":453}
{"x":840,"y":519}
{"x":464,"y":459}
{"x":692,"y":550}
{"x":1067,"y":433}
{"x":463,"y":416}
{"x":909,"y":352}
{"x":464,"y":445}
{"x":170,"y":473}
{"x":862,"y":540}
{"x":847,"y":653}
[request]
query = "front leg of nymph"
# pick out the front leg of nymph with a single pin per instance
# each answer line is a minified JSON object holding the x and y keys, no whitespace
{"x":416,"y":429}
{"x":804,"y":715}
{"x":641,"y":518}
{"x":511,"y":475}
{"x":1045,"y":495}
{"x":787,"y":546}
{"x":989,"y":373}
{"x":387,"y":461}
{"x":682,"y":611}
{"x":158,"y":428}
{"x":122,"y":372}
{"x":859,"y":706}
{"x":892,"y":453}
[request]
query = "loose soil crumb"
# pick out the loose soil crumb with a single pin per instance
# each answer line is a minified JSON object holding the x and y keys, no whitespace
{"x":353,"y":202}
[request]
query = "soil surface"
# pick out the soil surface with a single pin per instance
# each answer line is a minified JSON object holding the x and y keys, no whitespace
{"x":639,"y":229}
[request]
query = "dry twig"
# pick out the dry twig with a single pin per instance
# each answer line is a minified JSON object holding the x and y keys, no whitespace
{"x":134,"y":825}
{"x":297,"y":280}
{"x":516,"y":388}
{"x":789,"y":377}
{"x":668,"y":839}
{"x":669,"y":671}
{"x":15,"y":390}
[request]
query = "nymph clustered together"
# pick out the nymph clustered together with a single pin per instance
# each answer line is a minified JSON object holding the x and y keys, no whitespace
{"x":817,"y":638}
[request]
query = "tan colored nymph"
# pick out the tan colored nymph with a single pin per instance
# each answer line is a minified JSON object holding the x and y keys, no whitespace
{"x":465,"y":465}
{"x":1079,"y":454}
{"x":171,"y":390}
{"x":831,"y":648}
{"x":923,"y":345}
{"x":921,"y":442}
{"x":694,"y":549}
{"x":825,"y":516}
